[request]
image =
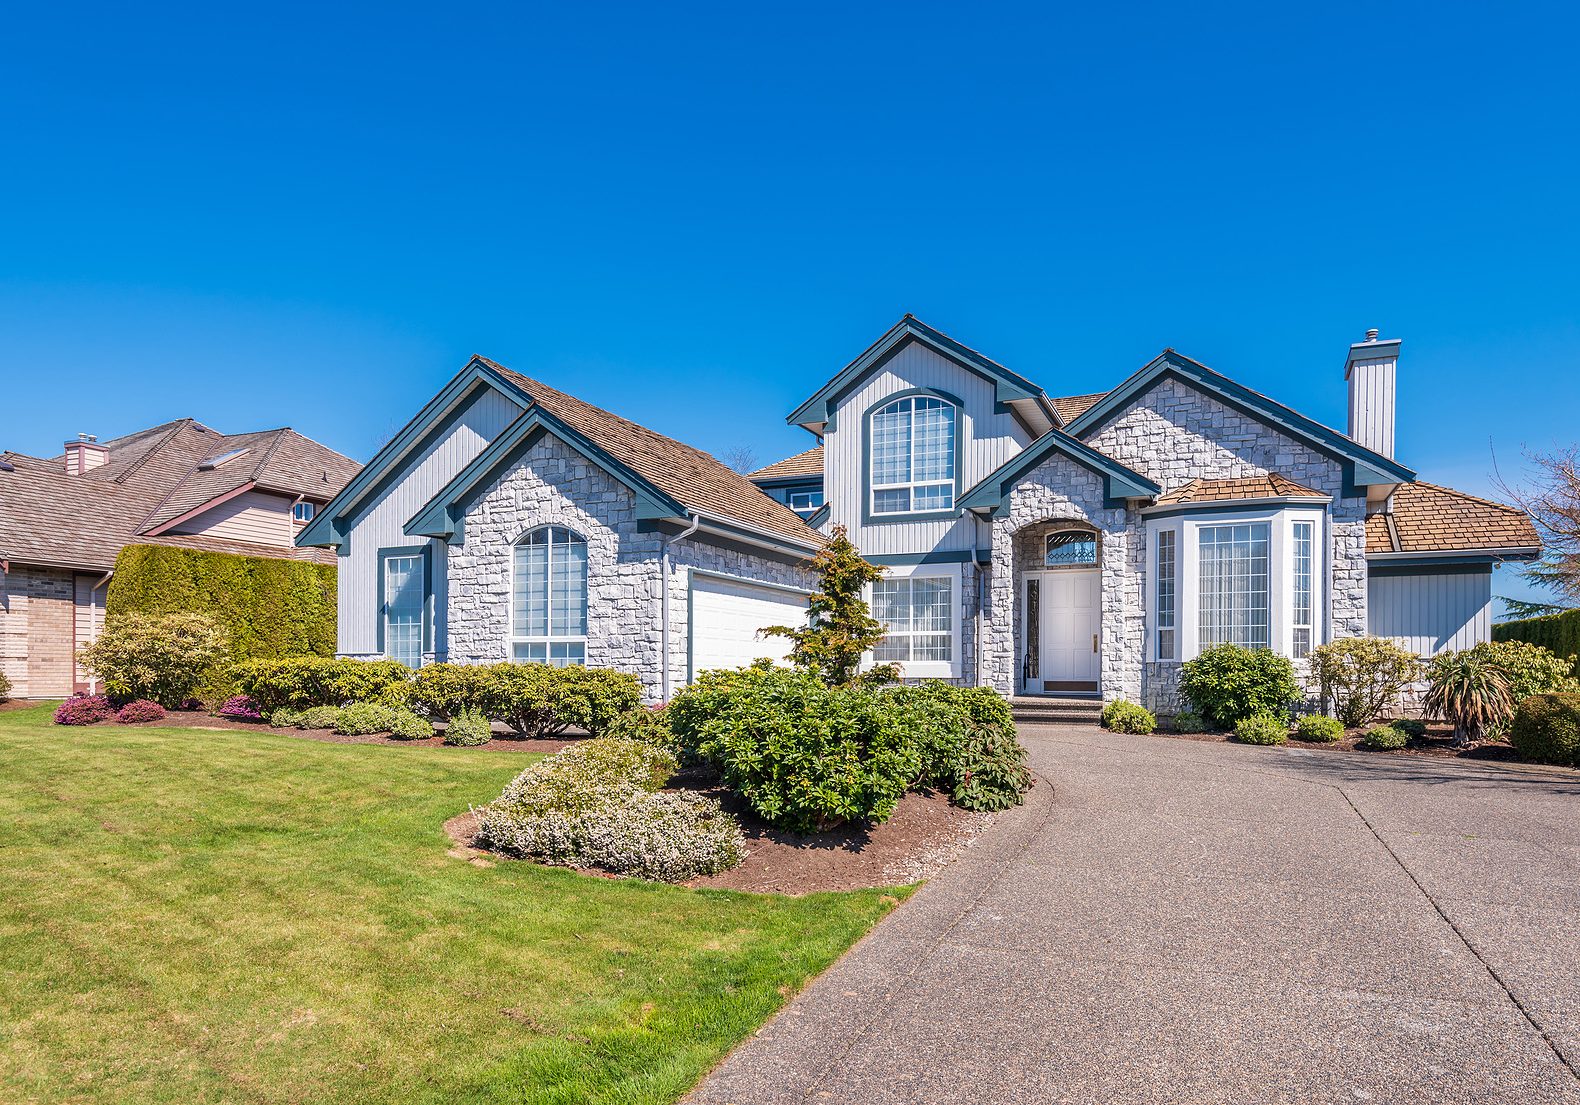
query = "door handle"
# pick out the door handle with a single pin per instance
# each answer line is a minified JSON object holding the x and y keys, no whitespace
{"x":1094,"y":642}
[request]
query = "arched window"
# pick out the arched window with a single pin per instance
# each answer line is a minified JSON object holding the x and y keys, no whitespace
{"x":913,"y":456}
{"x":548,"y":611}
{"x":1071,"y":548}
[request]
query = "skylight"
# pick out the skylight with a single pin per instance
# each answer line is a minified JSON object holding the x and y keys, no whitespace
{"x":223,"y":458}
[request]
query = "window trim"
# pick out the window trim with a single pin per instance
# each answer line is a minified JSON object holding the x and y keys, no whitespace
{"x":296,"y":511}
{"x":928,"y":669}
{"x":551,"y":639}
{"x":1173,"y":577}
{"x":424,"y":553}
{"x":868,"y":443}
{"x":1296,"y":623}
{"x":790,"y":497}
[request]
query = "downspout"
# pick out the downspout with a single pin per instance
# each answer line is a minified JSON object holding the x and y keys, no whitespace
{"x":663,"y":600}
{"x":976,"y":533}
{"x":93,"y":682}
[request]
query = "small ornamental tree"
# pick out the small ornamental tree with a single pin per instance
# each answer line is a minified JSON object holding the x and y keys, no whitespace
{"x":1362,"y":676}
{"x":840,"y":627}
{"x":161,"y":657}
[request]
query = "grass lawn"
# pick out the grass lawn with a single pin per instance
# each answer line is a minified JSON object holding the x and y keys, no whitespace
{"x":191,"y":916}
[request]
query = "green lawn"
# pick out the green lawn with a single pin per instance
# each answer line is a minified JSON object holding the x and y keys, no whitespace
{"x":190,"y":916}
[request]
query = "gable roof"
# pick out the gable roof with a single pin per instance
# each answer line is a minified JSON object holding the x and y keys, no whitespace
{"x":1363,"y":466}
{"x":1426,"y":518}
{"x":1119,"y":482}
{"x":802,"y":465}
{"x":1270,"y":486}
{"x":49,"y":517}
{"x":1071,"y":407}
{"x":1010,"y":388}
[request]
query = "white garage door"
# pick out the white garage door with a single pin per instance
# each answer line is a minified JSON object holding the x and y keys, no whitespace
{"x":726,"y":615}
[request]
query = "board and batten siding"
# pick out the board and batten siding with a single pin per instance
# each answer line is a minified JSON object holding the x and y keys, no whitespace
{"x":256,"y":517}
{"x":381,"y":525}
{"x":1431,"y":613}
{"x":988,"y":439}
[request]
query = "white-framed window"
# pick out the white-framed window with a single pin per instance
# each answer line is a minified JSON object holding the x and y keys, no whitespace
{"x":548,"y":609}
{"x":1167,"y":589}
{"x":1303,"y":548}
{"x":913,"y":456}
{"x":405,"y":596}
{"x":805,"y":502}
{"x":1234,"y":585}
{"x":302,"y":512}
{"x":919,"y":616}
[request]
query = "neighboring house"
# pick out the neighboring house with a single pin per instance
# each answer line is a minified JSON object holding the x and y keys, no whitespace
{"x":1034,"y":544}
{"x":64,"y":519}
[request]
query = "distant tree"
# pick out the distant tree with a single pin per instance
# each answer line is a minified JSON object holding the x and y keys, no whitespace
{"x":742,"y":459}
{"x":840,"y":628}
{"x":1552,"y":498}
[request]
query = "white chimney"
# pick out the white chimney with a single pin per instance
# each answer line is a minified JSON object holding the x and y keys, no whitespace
{"x":1371,"y":373}
{"x":85,"y":454}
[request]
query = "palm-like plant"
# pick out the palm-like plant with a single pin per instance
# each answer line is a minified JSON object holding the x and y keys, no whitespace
{"x":1469,"y":691}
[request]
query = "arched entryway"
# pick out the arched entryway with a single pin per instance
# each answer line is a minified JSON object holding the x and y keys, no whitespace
{"x":1059,"y":601}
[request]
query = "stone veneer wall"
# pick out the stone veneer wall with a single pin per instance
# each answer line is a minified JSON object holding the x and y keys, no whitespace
{"x":555,"y":485}
{"x":37,"y":631}
{"x":1174,"y":434}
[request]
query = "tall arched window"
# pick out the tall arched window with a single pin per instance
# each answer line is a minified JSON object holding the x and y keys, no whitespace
{"x":548,"y":615}
{"x":913,"y":455}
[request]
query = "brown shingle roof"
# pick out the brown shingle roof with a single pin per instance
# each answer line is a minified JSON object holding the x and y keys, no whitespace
{"x":689,"y":476}
{"x":48,"y":517}
{"x":1071,"y":407}
{"x":809,"y":463}
{"x":1270,"y":486}
{"x":1429,"y":518}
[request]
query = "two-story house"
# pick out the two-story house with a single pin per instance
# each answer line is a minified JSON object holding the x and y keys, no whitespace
{"x":1035,"y":544}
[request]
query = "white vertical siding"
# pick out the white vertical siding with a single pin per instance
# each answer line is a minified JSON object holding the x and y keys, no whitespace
{"x":1372,"y":386}
{"x":380,"y":525}
{"x":255,"y":517}
{"x":988,"y":439}
{"x":1428,"y":614}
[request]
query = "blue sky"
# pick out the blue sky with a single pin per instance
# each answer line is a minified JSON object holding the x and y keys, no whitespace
{"x":694,"y":215}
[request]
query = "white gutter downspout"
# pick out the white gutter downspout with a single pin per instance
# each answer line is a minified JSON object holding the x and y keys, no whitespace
{"x":93,"y":682}
{"x":976,"y":534}
{"x":663,"y":599}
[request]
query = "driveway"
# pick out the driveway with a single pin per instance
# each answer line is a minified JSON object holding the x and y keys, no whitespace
{"x":1176,"y":921}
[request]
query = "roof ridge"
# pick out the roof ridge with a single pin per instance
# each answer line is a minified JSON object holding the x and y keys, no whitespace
{"x":1468,"y":495}
{"x":175,"y":427}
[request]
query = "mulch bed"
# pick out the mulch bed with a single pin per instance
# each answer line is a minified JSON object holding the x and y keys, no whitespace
{"x":1439,"y":741}
{"x":925,"y":833}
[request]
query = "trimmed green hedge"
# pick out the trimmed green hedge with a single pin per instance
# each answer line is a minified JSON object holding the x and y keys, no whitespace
{"x":1559,"y":633}
{"x":269,"y":607}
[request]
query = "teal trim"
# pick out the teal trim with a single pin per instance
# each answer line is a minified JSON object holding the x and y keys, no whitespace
{"x":1119,"y":483}
{"x":937,"y":556}
{"x":1363,"y":466}
{"x":820,"y":515}
{"x":443,"y":516}
{"x":868,"y":517}
{"x":1445,"y":566}
{"x":425,"y":551}
{"x":1318,"y":505}
{"x":789,"y":481}
{"x":1008,"y":386}
{"x":330,"y":525}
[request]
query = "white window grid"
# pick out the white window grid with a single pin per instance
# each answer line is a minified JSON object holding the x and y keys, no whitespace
{"x":913,"y":456}
{"x":403,"y":603}
{"x":918,"y":616}
{"x":548,"y":623}
{"x":1302,"y":539}
{"x":1167,"y":589}
{"x":1233,"y":584}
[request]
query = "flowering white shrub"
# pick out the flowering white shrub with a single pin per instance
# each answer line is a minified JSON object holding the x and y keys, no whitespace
{"x":597,"y":804}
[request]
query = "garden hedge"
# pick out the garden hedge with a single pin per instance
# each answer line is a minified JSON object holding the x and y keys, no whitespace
{"x":268,"y":606}
{"x":1559,"y":633}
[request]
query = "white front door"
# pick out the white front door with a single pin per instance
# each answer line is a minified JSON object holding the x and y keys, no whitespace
{"x":1063,"y":630}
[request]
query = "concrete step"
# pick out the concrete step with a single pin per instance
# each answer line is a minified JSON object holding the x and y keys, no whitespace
{"x":1056,"y":709}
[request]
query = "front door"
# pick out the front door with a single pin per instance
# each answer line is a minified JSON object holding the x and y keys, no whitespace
{"x":1063,"y":631}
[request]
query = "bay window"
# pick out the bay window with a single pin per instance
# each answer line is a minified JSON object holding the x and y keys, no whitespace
{"x":548,"y":612}
{"x":912,"y":461}
{"x":1167,"y":545}
{"x":1233,"y":582}
{"x":1300,"y":619}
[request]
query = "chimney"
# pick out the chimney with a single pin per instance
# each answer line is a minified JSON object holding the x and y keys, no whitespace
{"x":1370,"y":372}
{"x":85,"y":454}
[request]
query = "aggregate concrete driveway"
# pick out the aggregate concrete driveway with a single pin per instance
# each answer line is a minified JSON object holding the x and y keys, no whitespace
{"x":1176,"y":921}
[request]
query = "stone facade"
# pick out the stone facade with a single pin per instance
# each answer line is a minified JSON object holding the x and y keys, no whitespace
{"x":553,"y":485}
{"x":38,"y":631}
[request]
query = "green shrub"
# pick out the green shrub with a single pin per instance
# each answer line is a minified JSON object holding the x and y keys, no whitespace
{"x":362,"y":718}
{"x":160,"y":657}
{"x":990,"y":770}
{"x":285,"y":718}
{"x":1226,"y":683}
{"x":648,"y":724}
{"x":1188,"y":721}
{"x":535,"y":700}
{"x":1416,"y":729}
{"x":1468,"y":689}
{"x":1385,"y":738}
{"x":805,"y":756}
{"x":319,"y":717}
{"x":408,"y":725}
{"x":1546,"y":729}
{"x":967,"y":741}
{"x":5,"y":688}
{"x":1558,"y":633}
{"x":1527,"y":669}
{"x":1127,"y":717}
{"x":306,"y":681}
{"x":1319,"y":728}
{"x":1261,"y":728}
{"x":468,"y":728}
{"x":1361,"y":676}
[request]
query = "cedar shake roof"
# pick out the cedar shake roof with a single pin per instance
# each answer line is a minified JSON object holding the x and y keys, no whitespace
{"x":1270,"y":486}
{"x":1071,"y":407}
{"x":691,"y":477}
{"x":809,"y":463}
{"x":1428,"y":518}
{"x":51,"y":518}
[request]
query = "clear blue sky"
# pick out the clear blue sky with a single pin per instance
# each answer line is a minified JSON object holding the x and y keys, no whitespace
{"x":693,"y":216}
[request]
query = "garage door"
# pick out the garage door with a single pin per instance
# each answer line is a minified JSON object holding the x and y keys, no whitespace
{"x":726,"y":615}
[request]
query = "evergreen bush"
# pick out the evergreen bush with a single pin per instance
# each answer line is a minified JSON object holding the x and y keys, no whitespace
{"x":161,"y":657}
{"x":1120,"y":716}
{"x":1263,"y":728}
{"x":1226,"y":683}
{"x":1319,"y":728}
{"x":363,"y":718}
{"x":467,"y":728}
{"x":1385,"y":738}
{"x":1546,"y":729}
